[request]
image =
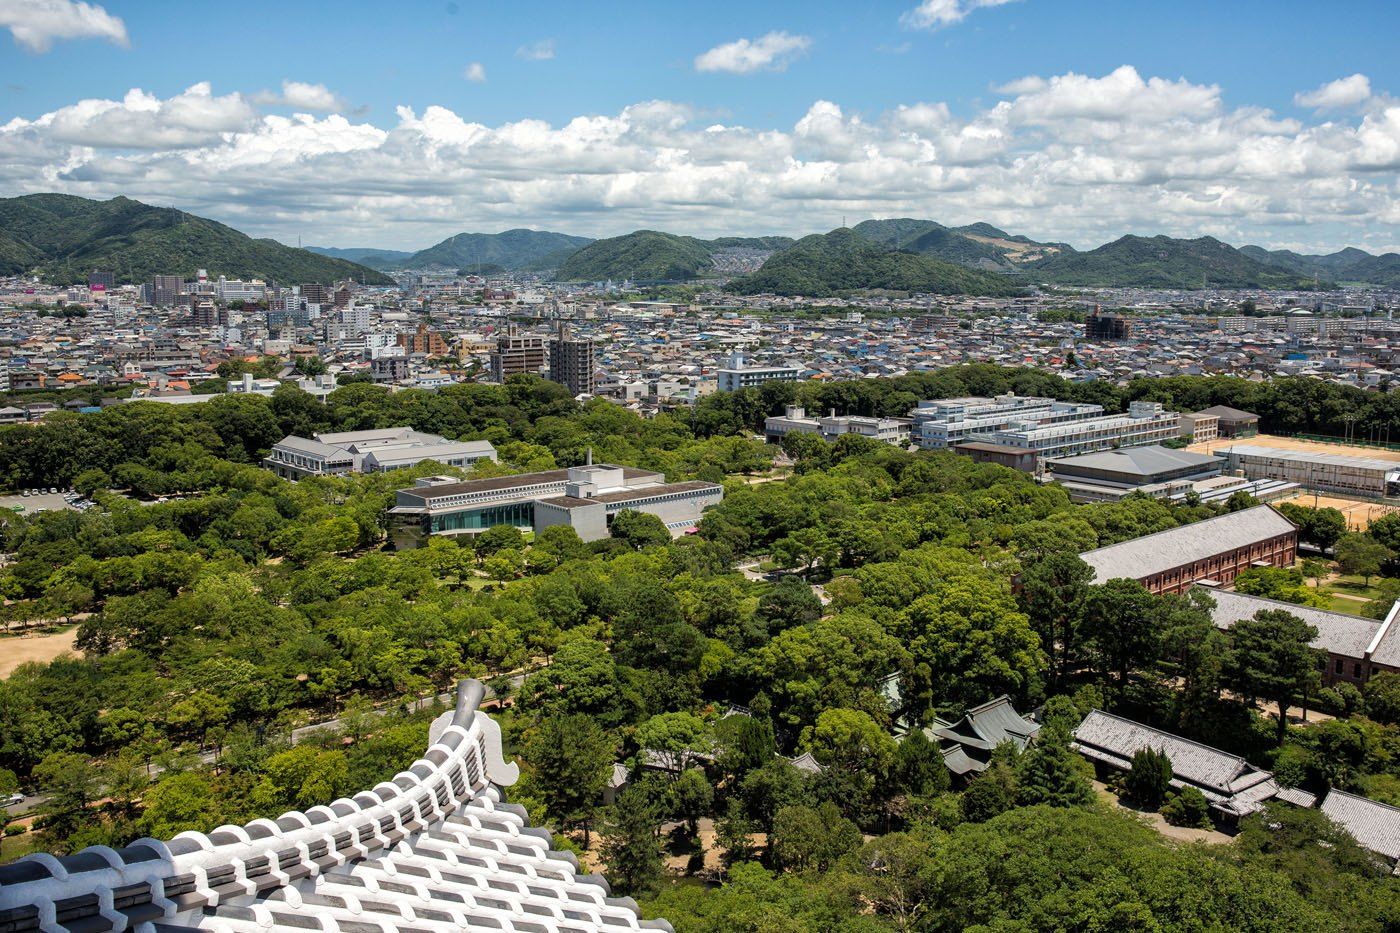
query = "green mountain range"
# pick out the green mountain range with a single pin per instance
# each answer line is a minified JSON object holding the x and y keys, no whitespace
{"x":979,"y":245}
{"x":511,"y":250}
{"x":650,"y":255}
{"x":644,"y":255}
{"x":62,"y":238}
{"x":1350,"y":265}
{"x":843,"y":261}
{"x":381,"y":259}
{"x":1163,"y":262}
{"x":926,"y":238}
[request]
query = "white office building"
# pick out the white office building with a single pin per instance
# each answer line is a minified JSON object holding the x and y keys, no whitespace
{"x":943,"y":423}
{"x":794,"y":420}
{"x":373,"y":451}
{"x":738,"y":376}
{"x":586,"y":498}
{"x":1145,"y":423}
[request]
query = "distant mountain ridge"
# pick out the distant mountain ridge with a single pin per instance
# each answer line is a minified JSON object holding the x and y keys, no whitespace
{"x":63,"y":238}
{"x":1163,"y":262}
{"x":1346,"y":266}
{"x":844,"y":261}
{"x":651,"y":255}
{"x":512,"y":250}
{"x":979,"y":245}
{"x":381,"y":259}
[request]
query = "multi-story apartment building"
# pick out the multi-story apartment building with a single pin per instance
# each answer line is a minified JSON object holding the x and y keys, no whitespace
{"x":424,"y":341}
{"x":517,"y":353}
{"x":389,"y":368}
{"x":165,"y":289}
{"x":572,"y":362}
{"x":738,"y":376}
{"x":313,"y":293}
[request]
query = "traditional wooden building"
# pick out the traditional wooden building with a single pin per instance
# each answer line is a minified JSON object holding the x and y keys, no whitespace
{"x":1233,"y":787}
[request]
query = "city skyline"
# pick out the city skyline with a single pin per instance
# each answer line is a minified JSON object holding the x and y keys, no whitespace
{"x":1047,"y":119}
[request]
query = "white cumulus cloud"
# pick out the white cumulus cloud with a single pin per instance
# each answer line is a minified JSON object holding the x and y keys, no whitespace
{"x":1080,"y":158}
{"x":769,"y":52}
{"x":299,"y":95}
{"x":1336,"y":95}
{"x":35,"y":24}
{"x":194,"y":117}
{"x":476,"y":71}
{"x":540,"y":51}
{"x":933,"y":14}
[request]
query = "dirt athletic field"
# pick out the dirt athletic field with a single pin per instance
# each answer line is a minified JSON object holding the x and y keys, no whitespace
{"x":1359,"y":514}
{"x":21,"y":649}
{"x":1296,"y":443}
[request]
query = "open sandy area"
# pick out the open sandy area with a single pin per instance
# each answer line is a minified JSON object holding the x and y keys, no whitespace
{"x":21,"y":649}
{"x":1295,"y":443}
{"x":1359,"y":514}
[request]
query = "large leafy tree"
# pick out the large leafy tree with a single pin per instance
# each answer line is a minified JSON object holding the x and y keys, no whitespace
{"x":1121,"y":626}
{"x":572,"y":759}
{"x":1271,"y":657}
{"x":1053,"y":592}
{"x":631,"y":850}
{"x":970,"y":643}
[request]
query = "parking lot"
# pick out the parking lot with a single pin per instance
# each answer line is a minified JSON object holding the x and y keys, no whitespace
{"x":49,"y":502}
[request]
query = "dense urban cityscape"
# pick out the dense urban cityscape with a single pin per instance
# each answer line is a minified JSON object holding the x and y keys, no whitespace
{"x":712,"y":566}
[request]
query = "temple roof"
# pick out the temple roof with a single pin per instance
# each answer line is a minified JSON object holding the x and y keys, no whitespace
{"x":434,"y":849}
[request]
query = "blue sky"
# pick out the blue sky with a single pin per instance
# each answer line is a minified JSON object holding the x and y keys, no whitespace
{"x":868,"y":60}
{"x":611,"y":54}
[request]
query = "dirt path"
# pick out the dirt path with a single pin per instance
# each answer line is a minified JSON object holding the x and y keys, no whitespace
{"x":1178,"y":833}
{"x":21,"y":649}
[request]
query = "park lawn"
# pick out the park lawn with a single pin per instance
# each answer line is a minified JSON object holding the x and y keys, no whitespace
{"x":1337,"y":603}
{"x":1353,"y":585}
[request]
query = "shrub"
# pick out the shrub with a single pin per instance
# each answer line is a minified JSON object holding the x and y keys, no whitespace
{"x":1150,"y":777}
{"x":1187,"y":807}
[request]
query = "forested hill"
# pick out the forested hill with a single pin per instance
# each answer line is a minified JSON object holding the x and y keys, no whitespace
{"x":928,"y":239}
{"x":843,"y":261}
{"x":1349,"y":265}
{"x":382,"y":259}
{"x":63,"y":238}
{"x":509,"y":250}
{"x":643,"y":255}
{"x":1164,"y":262}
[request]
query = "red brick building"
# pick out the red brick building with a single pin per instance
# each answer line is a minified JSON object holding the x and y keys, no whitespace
{"x":1216,"y":549}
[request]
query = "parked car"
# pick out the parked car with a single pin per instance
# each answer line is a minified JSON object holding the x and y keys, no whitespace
{"x":14,"y":799}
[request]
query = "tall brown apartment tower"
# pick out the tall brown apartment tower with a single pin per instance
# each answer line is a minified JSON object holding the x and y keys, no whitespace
{"x":517,"y":353}
{"x":571,"y":362}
